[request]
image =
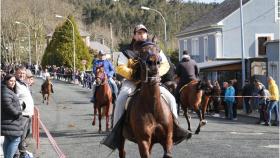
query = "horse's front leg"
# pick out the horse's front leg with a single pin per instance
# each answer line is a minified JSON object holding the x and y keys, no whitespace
{"x":121,"y":148}
{"x":201,"y":121}
{"x":168,"y":146}
{"x":205,"y":106}
{"x":107,"y":117}
{"x":186,"y":114}
{"x":43,"y":98}
{"x":94,"y":115}
{"x":99,"y":118}
{"x":144,"y":148}
{"x":48,"y":99}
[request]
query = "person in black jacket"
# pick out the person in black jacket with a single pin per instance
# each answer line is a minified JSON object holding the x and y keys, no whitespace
{"x":11,"y":117}
{"x":247,"y":91}
{"x":186,"y":71}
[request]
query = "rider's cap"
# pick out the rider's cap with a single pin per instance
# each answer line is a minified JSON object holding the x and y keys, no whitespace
{"x":101,"y":52}
{"x":140,"y":27}
{"x":185,"y":52}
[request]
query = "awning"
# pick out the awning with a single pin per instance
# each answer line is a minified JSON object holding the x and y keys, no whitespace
{"x":217,"y":63}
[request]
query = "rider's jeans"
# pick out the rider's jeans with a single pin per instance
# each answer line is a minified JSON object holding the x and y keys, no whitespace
{"x":127,"y":88}
{"x":113,"y":85}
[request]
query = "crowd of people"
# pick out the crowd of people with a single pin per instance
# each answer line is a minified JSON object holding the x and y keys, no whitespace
{"x":17,"y":109}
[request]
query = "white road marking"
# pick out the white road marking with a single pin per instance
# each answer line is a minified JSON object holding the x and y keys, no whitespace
{"x":272,"y":146}
{"x":239,"y":133}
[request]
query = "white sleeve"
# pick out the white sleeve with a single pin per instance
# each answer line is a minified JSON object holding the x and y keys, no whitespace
{"x":122,"y":59}
{"x":163,"y":57}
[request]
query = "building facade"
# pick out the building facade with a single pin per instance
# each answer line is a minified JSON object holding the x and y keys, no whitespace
{"x":216,"y":38}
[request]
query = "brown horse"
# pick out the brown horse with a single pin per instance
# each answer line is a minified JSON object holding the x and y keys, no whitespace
{"x":103,"y":97}
{"x":46,"y":90}
{"x":148,"y":116}
{"x":191,"y":96}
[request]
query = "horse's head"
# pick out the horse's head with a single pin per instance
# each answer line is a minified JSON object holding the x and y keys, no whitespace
{"x":100,"y":75}
{"x":149,"y":60}
{"x":206,"y":86}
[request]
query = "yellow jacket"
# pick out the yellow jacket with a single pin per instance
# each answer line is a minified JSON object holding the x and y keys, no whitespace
{"x":273,"y":90}
{"x":125,"y":66}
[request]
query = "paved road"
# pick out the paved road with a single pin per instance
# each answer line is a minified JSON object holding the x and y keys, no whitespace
{"x":69,"y":115}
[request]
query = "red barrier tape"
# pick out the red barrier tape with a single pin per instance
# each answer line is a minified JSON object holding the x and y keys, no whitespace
{"x":53,"y":142}
{"x":36,"y":133}
{"x":240,"y":96}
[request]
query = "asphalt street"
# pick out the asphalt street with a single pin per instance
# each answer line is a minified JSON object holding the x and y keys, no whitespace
{"x":68,"y":118}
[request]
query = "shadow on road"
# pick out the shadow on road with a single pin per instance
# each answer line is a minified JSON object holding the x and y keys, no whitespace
{"x":75,"y":134}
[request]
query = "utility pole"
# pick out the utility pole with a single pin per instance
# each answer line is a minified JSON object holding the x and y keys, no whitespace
{"x":242,"y":45}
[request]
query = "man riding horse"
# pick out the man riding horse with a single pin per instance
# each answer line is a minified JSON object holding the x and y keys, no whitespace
{"x":186,"y":71}
{"x":126,"y":68}
{"x":46,"y":78}
{"x":109,"y":70}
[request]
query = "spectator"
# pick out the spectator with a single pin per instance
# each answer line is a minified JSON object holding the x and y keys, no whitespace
{"x":29,"y":78}
{"x":216,"y":100}
{"x":224,"y":88}
{"x":230,"y":99}
{"x":236,"y":90}
{"x":247,"y":91}
{"x":11,"y":117}
{"x":263,"y":101}
{"x":24,"y":95}
{"x":273,"y":104}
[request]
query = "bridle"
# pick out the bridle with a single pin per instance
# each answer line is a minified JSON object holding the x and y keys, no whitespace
{"x":102,"y":77}
{"x":150,"y":58}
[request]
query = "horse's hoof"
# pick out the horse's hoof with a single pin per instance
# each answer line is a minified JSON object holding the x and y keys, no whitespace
{"x":203,"y":122}
{"x":197,"y":132}
{"x":93,"y":123}
{"x":167,"y":155}
{"x":107,"y":129}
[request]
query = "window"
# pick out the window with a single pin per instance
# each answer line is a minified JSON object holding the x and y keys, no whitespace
{"x":185,"y":44}
{"x":277,"y":9}
{"x":260,"y":43}
{"x":195,"y":47}
{"x":258,"y":68}
{"x":206,"y":55}
{"x":261,"y":46}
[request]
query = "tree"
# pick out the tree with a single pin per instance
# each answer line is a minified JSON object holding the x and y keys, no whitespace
{"x":59,"y":52}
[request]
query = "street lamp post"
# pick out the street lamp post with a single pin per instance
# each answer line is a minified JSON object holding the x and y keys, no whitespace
{"x":74,"y":47}
{"x":28,"y":29}
{"x":242,"y":45}
{"x":165,"y":35}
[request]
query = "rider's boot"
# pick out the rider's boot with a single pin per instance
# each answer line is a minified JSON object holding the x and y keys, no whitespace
{"x":180,"y":134}
{"x":114,"y":97}
{"x":92,"y":100}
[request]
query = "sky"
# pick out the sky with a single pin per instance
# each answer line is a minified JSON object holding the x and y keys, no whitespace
{"x":206,"y":1}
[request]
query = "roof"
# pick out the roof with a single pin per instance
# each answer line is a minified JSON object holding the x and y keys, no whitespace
{"x":216,"y":63}
{"x":98,"y":46}
{"x":215,"y":16}
{"x":272,"y":41}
